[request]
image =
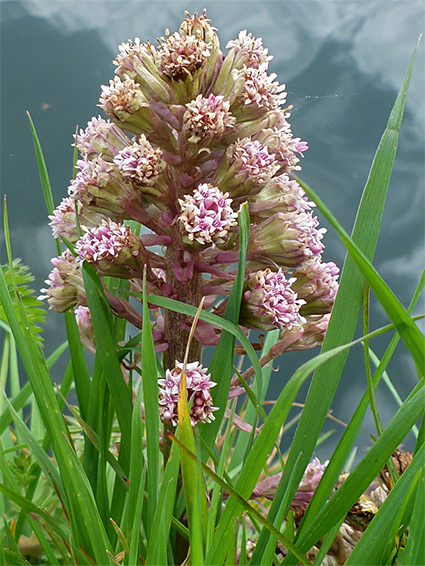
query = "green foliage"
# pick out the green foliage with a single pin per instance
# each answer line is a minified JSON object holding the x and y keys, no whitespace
{"x":34,"y":308}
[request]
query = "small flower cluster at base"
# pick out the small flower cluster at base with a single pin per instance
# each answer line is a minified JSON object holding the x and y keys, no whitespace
{"x":198,"y":385}
{"x":206,"y":216}
{"x":270,"y":302}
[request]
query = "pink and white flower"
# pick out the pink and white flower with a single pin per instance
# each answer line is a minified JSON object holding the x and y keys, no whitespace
{"x":270,"y":302}
{"x":198,"y":385}
{"x":113,"y":250}
{"x":206,"y":216}
{"x":65,"y":284}
{"x":140,"y":162}
{"x":316,"y":283}
{"x":207,"y":119}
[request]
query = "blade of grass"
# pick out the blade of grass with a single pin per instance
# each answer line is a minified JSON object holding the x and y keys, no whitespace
{"x":414,"y":554}
{"x":197,"y":513}
{"x":340,"y":455}
{"x":85,"y":520}
{"x":101,"y":318}
{"x":157,"y":545}
{"x":244,"y":504}
{"x":264,"y":554}
{"x":152,"y":422}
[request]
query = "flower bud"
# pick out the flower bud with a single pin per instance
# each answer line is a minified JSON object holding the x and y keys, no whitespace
{"x":125,"y":103}
{"x":269,"y":302}
{"x":285,"y":239}
{"x":283,"y":145}
{"x":85,"y":327}
{"x":316,"y":283}
{"x":137,"y":61}
{"x":304,"y":494}
{"x":199,"y":27}
{"x":66,"y":286}
{"x":100,"y":186}
{"x":280,"y":194}
{"x":101,"y":137}
{"x":206,"y":121}
{"x":63,"y":219}
{"x":141,"y":164}
{"x":261,"y":93}
{"x":245,"y":168}
{"x":206,"y":217}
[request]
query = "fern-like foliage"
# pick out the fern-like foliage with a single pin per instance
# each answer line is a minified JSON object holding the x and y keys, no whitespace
{"x":34,"y":308}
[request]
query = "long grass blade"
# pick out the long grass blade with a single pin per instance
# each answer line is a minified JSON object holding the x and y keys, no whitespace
{"x":150,"y":397}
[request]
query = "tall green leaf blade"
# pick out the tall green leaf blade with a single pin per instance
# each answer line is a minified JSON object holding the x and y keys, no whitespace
{"x":44,"y":177}
{"x":157,"y":545}
{"x":341,"y":453}
{"x":150,"y":397}
{"x":414,"y":554}
{"x":260,"y":451}
{"x":407,"y":329}
{"x":349,"y":299}
{"x":107,"y":353}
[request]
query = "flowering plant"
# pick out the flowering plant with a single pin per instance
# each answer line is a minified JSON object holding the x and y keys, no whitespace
{"x":186,"y":226}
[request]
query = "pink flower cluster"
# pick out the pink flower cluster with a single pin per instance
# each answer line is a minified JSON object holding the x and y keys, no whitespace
{"x":198,"y":385}
{"x":191,"y":134}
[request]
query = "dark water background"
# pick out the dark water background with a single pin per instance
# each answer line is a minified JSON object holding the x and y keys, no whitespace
{"x":343,"y":63}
